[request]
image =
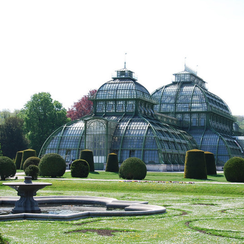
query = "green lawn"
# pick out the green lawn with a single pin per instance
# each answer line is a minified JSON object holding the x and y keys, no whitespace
{"x":209,"y":211}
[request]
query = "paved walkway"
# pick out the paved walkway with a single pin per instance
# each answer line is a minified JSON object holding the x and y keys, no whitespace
{"x":21,"y":175}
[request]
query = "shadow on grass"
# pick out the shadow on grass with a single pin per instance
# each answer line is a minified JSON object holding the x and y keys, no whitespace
{"x":216,"y":175}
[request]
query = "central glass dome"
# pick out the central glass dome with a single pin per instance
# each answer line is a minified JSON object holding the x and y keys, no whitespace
{"x":123,"y":122}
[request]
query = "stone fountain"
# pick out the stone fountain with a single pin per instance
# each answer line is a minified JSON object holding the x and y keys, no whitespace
{"x":27,"y":207}
{"x":26,"y":190}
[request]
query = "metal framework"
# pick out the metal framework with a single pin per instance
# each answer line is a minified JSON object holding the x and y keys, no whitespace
{"x":201,"y":113}
{"x":124,"y":122}
{"x":157,"y":128}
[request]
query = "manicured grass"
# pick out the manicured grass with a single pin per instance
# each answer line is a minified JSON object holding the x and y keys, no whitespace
{"x":209,"y":211}
{"x":154,"y":176}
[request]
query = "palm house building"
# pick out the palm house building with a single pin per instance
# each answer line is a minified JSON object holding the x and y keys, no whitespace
{"x":200,"y":113}
{"x":157,"y":128}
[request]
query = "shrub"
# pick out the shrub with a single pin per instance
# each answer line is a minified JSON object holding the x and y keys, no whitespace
{"x":195,"y":165}
{"x":210,"y":163}
{"x":2,"y":241}
{"x":52,"y":164}
{"x":87,"y":155}
{"x":18,"y":159}
{"x":31,"y":161}
{"x":112,"y":164}
{"x":33,"y":171}
{"x":26,"y":154}
{"x":234,"y":169}
{"x":7,"y":167}
{"x":80,"y":168}
{"x":133,"y":168}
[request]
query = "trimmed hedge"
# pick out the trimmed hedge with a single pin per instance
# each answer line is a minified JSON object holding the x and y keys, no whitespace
{"x":133,"y":168}
{"x":31,"y":161}
{"x":26,"y":154}
{"x":195,"y":165}
{"x":234,"y":169}
{"x":52,"y":164}
{"x":80,"y":168}
{"x":33,"y":171}
{"x":7,"y":167}
{"x":18,"y":159}
{"x":210,"y":163}
{"x":87,"y":155}
{"x":112,"y":164}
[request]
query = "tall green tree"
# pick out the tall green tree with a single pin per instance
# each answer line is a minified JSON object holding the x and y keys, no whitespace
{"x":41,"y":117}
{"x":12,"y":136}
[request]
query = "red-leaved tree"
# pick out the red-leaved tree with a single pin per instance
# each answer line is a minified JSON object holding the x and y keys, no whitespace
{"x":82,"y":107}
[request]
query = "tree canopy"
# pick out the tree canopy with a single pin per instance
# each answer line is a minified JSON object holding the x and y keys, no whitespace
{"x":41,"y":117}
{"x":82,"y":107}
{"x":12,"y":136}
{"x":4,"y":114}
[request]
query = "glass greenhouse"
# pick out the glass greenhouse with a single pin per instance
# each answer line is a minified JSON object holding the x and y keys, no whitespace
{"x":123,"y":122}
{"x":157,"y":128}
{"x":202,"y":114}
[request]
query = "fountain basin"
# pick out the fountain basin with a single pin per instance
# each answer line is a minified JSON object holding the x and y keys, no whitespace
{"x":128,"y":208}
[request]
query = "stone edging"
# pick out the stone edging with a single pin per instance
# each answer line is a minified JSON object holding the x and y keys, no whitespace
{"x":130,"y":208}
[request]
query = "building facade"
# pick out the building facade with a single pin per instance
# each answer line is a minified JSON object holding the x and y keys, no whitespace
{"x":201,"y":113}
{"x":157,"y":128}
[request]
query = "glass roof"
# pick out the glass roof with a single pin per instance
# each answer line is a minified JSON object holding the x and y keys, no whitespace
{"x":187,"y":97}
{"x":117,"y":89}
{"x":123,"y":86}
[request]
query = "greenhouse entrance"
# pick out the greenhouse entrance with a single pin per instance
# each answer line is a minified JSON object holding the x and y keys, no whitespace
{"x":98,"y":136}
{"x":96,"y":141}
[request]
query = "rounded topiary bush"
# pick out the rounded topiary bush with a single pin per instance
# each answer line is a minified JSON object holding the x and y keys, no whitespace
{"x":33,"y":171}
{"x":18,"y":159}
{"x":234,"y":169}
{"x":112,"y":164}
{"x":80,"y":168}
{"x":52,"y":164}
{"x":31,"y":161}
{"x":26,"y":154}
{"x":133,"y":168}
{"x":210,"y":163}
{"x":195,"y":165}
{"x":87,"y":155}
{"x":7,"y":167}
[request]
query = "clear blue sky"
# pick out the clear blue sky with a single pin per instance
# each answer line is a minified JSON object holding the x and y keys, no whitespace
{"x":67,"y":48}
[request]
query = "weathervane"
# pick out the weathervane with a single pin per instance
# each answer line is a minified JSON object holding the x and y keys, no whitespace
{"x":125,"y":61}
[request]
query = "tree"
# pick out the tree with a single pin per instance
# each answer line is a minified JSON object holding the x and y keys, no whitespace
{"x":82,"y":107}
{"x":4,"y":114}
{"x":12,"y":136}
{"x":41,"y":117}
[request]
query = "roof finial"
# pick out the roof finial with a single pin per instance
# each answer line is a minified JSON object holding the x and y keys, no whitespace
{"x":185,"y":64}
{"x":125,"y":61}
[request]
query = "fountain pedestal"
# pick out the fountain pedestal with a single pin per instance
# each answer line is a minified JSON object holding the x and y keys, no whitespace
{"x":26,"y":190}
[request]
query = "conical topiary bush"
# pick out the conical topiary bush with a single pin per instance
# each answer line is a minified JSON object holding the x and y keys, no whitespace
{"x":195,"y":165}
{"x":87,"y":155}
{"x":18,"y":159}
{"x":112,"y":164}
{"x":210,"y":163}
